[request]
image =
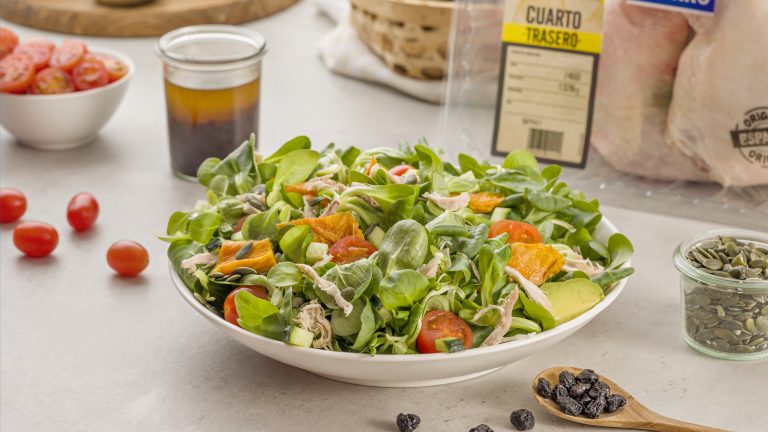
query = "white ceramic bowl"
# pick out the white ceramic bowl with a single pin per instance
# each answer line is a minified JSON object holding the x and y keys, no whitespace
{"x":414,"y":370}
{"x":64,"y":121}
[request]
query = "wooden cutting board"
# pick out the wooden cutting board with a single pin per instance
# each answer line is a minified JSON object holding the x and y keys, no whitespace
{"x":86,"y":17}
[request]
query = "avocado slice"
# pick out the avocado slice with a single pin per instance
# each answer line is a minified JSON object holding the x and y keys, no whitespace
{"x":572,"y":298}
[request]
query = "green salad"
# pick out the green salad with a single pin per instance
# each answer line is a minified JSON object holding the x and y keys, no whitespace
{"x":391,"y":251}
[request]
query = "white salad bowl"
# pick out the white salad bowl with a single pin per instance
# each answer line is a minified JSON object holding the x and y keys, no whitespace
{"x":64,"y":121}
{"x":408,"y":370}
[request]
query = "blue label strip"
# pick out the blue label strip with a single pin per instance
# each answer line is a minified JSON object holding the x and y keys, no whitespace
{"x":701,"y":6}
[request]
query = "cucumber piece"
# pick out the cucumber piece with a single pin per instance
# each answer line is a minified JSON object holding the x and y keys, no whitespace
{"x":500,"y":213}
{"x":237,"y":236}
{"x":316,"y":252}
{"x":299,"y":337}
{"x":376,"y":236}
{"x":449,"y":345}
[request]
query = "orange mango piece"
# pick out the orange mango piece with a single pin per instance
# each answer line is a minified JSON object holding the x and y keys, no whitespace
{"x":484,"y":202}
{"x":299,"y":188}
{"x":330,"y":229}
{"x":260,"y":257}
{"x":537,"y":262}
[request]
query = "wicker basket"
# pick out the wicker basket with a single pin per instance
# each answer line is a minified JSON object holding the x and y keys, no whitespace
{"x":411,"y":36}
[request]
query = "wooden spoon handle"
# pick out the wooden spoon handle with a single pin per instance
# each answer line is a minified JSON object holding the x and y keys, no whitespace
{"x":650,"y":420}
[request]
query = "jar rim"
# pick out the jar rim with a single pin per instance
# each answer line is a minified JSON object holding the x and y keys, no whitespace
{"x":684,"y":266}
{"x":170,"y":45}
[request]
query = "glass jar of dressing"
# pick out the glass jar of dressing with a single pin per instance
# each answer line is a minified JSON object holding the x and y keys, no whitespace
{"x":212,"y":87}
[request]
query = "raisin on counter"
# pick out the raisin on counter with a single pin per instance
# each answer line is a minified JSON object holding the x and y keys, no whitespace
{"x":544,"y":388}
{"x":522,"y":419}
{"x":567,"y":379}
{"x":407,"y":422}
{"x":481,"y":428}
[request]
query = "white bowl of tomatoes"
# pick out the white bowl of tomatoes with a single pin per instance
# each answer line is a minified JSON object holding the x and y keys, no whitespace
{"x":75,"y":88}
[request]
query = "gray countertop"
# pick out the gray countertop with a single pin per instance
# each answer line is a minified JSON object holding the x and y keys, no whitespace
{"x":84,"y":350}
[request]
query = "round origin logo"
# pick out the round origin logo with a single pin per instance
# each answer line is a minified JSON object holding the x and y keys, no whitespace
{"x":750,"y":136}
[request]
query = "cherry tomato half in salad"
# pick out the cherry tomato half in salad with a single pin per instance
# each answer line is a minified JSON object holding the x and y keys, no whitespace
{"x":400,"y":170}
{"x":230,"y":311}
{"x":52,"y":81}
{"x":35,"y":239}
{"x":350,"y":249}
{"x":519,"y":232}
{"x":68,"y":55}
{"x":438,"y":324}
{"x":8,"y":41}
{"x":82,"y":211}
{"x":90,"y":73}
{"x":16,"y":73}
{"x":13,"y":204}
{"x":127,"y":258}
{"x":38,"y":50}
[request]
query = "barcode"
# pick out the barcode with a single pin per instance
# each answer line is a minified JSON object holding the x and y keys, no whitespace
{"x":545,"y":140}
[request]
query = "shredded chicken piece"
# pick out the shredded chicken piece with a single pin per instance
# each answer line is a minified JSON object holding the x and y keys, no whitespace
{"x":202,"y":259}
{"x":312,"y":318}
{"x":485,"y":310}
{"x":454,"y":203}
{"x":324,"y":183}
{"x":575,"y":262}
{"x":331,"y":208}
{"x":534,"y":292}
{"x":327,"y":287}
{"x":502,"y":327}
{"x":323,"y":261}
{"x":308,"y":211}
{"x":517,"y":337}
{"x":429,"y":270}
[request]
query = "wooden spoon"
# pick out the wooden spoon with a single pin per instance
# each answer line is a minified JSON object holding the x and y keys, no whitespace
{"x":633,"y":415}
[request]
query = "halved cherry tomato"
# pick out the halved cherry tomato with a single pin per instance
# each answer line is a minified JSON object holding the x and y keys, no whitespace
{"x":115,"y":68}
{"x":16,"y":73}
{"x":350,"y":249}
{"x":52,"y":81}
{"x":90,"y":73}
{"x":38,"y":50}
{"x":519,"y":232}
{"x":8,"y":41}
{"x":438,"y":324}
{"x":68,"y":55}
{"x":230,"y":310}
{"x":13,"y":204}
{"x":400,"y":170}
{"x":35,"y":239}
{"x":127,"y":258}
{"x":82,"y":211}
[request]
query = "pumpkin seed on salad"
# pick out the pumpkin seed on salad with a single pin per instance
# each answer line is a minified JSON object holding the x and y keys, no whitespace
{"x":391,"y":251}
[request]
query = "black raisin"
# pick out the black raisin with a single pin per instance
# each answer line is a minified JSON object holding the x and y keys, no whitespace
{"x":587,"y":376}
{"x":578,"y":390}
{"x":614,"y":402}
{"x":522,"y":419}
{"x":567,"y":379}
{"x":569,"y":406}
{"x":407,"y":422}
{"x":559,"y":392}
{"x":599,"y":389}
{"x":481,"y":428}
{"x":595,"y":408}
{"x":584,"y":400}
{"x":544,"y":388}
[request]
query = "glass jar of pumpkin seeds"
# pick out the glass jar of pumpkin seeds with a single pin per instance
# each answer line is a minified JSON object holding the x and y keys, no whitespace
{"x":724,"y":288}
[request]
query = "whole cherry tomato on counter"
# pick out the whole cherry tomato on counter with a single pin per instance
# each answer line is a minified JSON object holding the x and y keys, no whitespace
{"x":82,"y":211}
{"x":13,"y":204}
{"x":438,"y":324}
{"x":230,"y":310}
{"x":35,"y":239}
{"x":127,"y":258}
{"x":519,"y":232}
